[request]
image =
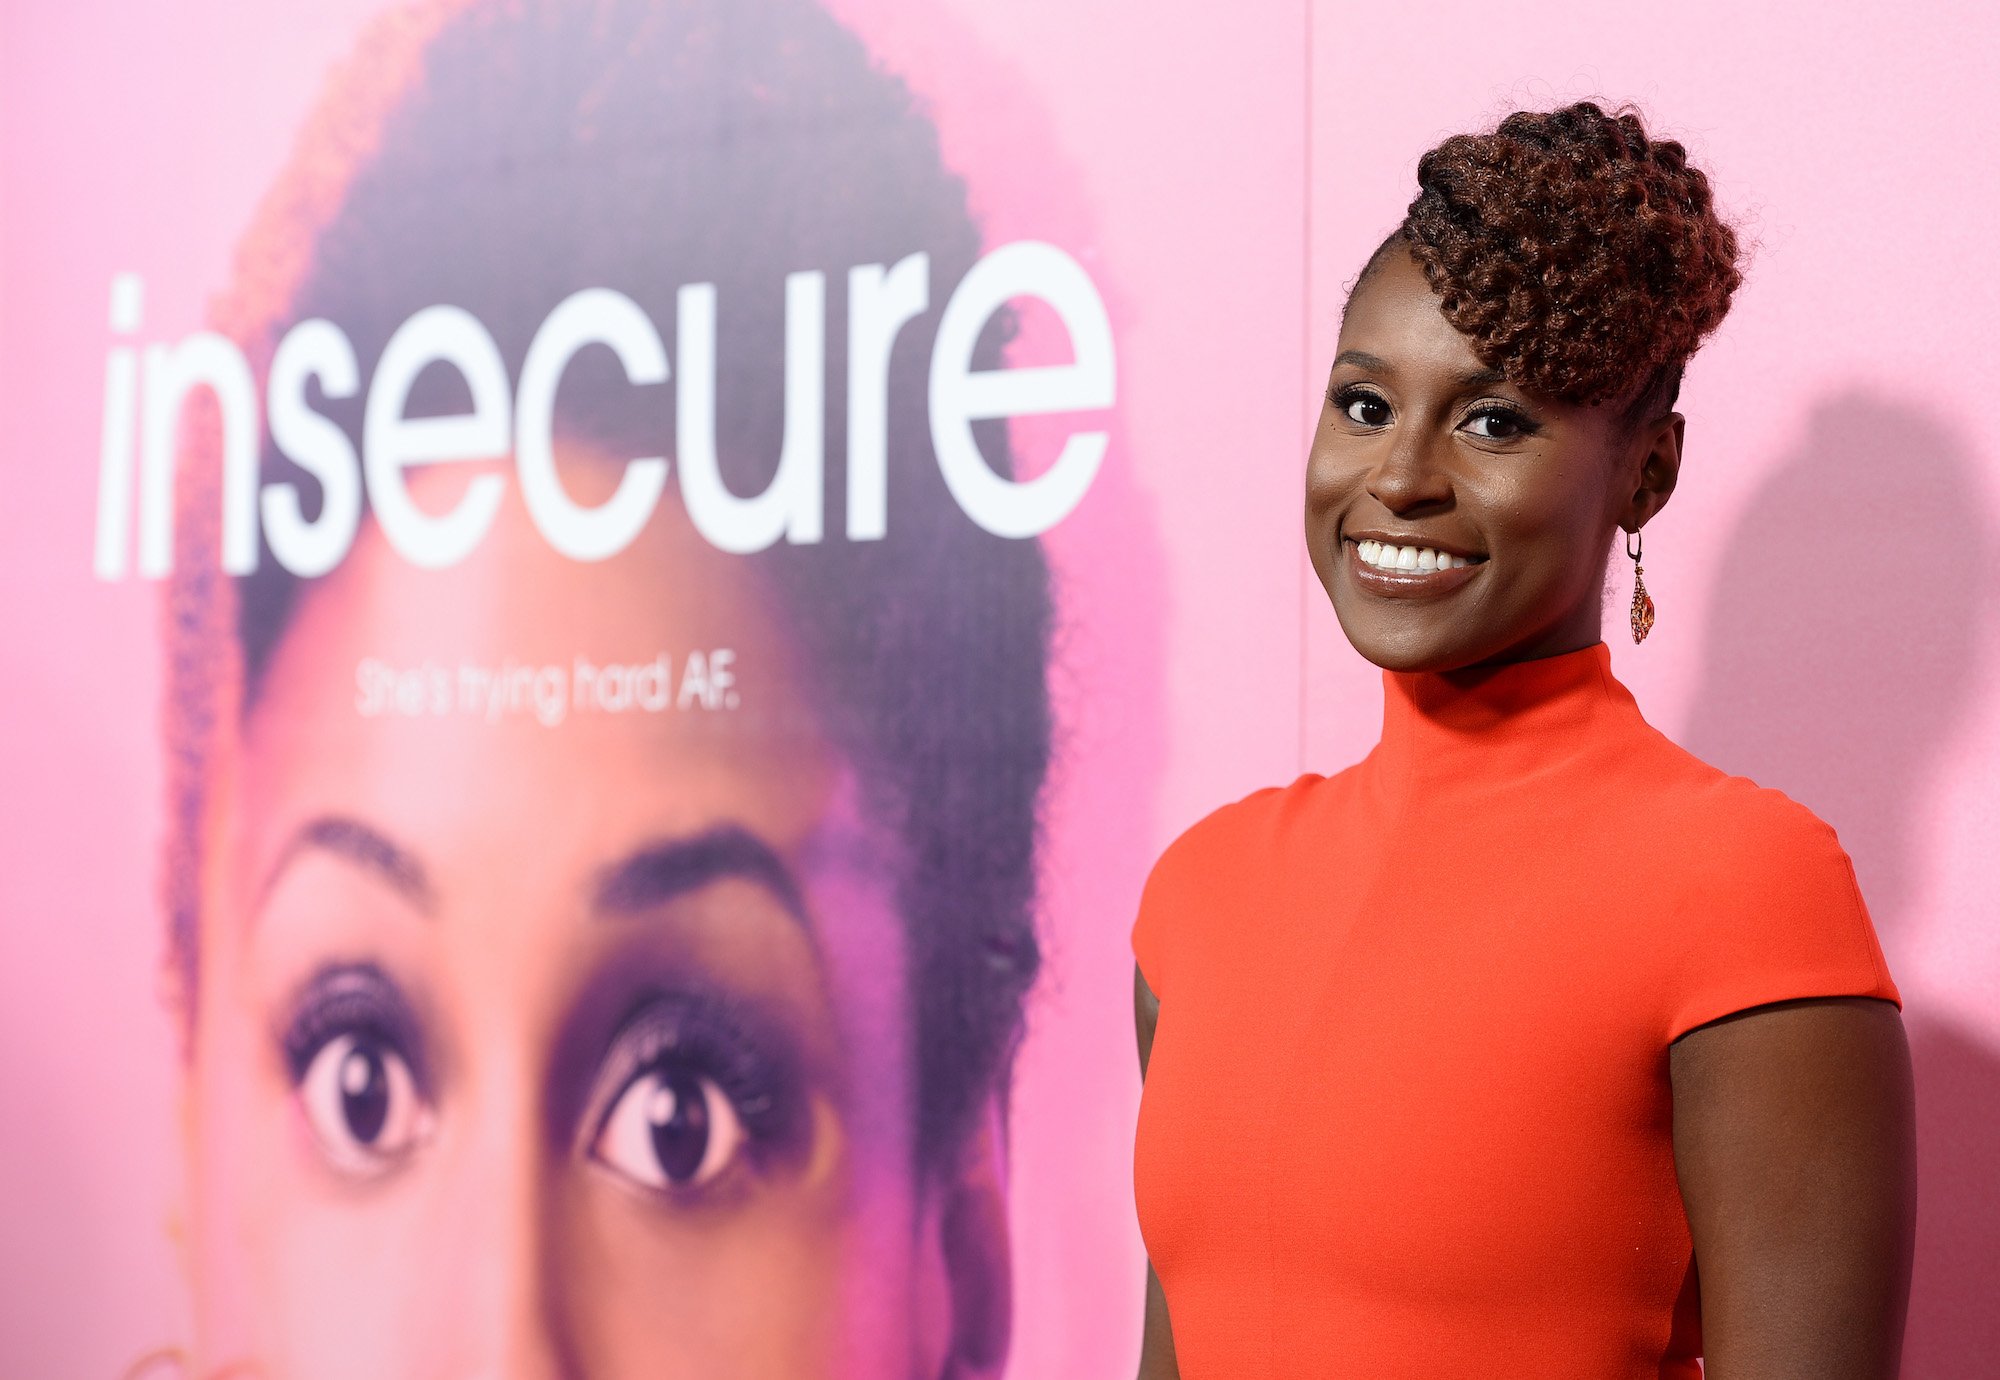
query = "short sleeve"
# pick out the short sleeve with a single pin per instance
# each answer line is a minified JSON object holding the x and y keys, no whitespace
{"x":1776,"y":914}
{"x":1158,"y":901}
{"x":1176,"y":892}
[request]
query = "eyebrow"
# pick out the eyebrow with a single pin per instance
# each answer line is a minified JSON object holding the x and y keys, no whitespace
{"x":650,"y":875}
{"x":367,"y":848}
{"x":1361,"y":359}
{"x":661,"y":871}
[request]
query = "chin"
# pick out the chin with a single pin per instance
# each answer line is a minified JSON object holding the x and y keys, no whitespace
{"x":1408,"y":645}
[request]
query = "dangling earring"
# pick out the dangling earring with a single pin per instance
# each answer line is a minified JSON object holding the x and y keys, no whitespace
{"x":1642,"y":602}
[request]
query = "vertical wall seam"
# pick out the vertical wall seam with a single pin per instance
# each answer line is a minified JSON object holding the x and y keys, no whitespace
{"x":1305,"y":352}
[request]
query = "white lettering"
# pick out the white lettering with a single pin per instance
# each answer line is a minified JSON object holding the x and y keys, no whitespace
{"x":960,"y":396}
{"x":790,"y":507}
{"x":881,"y":302}
{"x":203,"y":360}
{"x":878,"y":306}
{"x":595,"y":316}
{"x":312,"y":349}
{"x":114,"y":455}
{"x":393,"y":443}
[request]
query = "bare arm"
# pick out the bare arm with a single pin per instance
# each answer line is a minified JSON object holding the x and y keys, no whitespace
{"x":1156,"y":1353}
{"x":1794,"y":1140}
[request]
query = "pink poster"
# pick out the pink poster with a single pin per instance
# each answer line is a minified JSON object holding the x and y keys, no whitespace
{"x":609,"y":603}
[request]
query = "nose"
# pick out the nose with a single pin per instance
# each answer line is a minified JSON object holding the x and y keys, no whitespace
{"x":495,"y":1251}
{"x":1410,"y":475}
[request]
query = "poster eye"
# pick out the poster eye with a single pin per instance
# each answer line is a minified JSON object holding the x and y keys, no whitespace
{"x":361,"y":1101}
{"x":670,"y":1128}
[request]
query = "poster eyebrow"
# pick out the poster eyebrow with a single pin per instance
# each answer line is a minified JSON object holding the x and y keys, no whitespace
{"x":662,"y":870}
{"x":367,"y":848}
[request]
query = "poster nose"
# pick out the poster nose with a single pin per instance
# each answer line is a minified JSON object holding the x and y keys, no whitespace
{"x":497,"y":1300}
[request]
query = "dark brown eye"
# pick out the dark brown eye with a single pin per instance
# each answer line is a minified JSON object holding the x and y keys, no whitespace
{"x":1362,"y":408}
{"x":1496,"y":424}
{"x":670,"y":1128}
{"x":362,"y":1104}
{"x":354,"y":1053}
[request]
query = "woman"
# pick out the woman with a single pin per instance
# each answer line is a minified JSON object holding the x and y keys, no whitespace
{"x":1530,"y":1044}
{"x":560,"y":1025}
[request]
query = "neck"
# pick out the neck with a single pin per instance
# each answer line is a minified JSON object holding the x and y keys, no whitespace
{"x":1491,"y":726}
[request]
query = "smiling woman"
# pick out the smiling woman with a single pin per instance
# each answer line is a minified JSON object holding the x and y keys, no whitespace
{"x":1419,"y":427}
{"x":633,"y":1043}
{"x":1550,"y":1048}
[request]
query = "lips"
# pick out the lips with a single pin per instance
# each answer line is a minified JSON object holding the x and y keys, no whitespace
{"x":1406,"y":570}
{"x":1388,"y":556}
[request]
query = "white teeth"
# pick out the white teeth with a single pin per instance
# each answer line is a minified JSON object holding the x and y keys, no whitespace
{"x":1420,"y":559}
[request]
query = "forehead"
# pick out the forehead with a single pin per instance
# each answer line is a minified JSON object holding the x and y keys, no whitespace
{"x":1395,"y":315}
{"x":595,"y":703}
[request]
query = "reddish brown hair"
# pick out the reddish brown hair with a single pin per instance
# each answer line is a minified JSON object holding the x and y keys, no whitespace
{"x":1584,"y":259}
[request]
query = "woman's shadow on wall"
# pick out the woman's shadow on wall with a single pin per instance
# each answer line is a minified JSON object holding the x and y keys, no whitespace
{"x":1846,"y":642}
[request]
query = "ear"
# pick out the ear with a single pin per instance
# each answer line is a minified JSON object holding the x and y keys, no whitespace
{"x":1655,"y":467}
{"x":970,"y":1218}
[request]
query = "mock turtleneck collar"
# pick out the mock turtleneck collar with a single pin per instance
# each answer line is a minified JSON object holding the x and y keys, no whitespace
{"x":1501,"y":726}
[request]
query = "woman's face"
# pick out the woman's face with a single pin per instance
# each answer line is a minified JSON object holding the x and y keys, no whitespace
{"x":1504,"y":502}
{"x":539,"y":1043}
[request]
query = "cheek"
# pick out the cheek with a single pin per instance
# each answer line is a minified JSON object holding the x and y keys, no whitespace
{"x":1331,"y":474}
{"x":817,"y":1277}
{"x":866,"y":956}
{"x":1551,"y":512}
{"x":290,"y":1271}
{"x":235,"y":1142}
{"x":640,"y":1292}
{"x":372,"y":1287}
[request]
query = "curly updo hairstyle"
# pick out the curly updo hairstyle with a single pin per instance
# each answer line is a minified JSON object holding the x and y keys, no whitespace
{"x":1583,"y":258}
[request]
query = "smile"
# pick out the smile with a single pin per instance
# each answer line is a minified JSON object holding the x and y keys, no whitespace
{"x":1408,"y":572}
{"x":1384,"y":556}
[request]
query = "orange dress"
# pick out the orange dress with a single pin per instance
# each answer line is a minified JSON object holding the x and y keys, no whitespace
{"x":1408,"y":1112}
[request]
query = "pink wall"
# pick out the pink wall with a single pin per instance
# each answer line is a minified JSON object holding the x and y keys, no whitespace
{"x":1221,"y":174}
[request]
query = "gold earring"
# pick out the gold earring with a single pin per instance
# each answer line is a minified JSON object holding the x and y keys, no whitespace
{"x":1642,"y":602}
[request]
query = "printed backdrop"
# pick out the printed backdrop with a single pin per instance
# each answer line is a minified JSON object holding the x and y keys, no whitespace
{"x":483,"y":884}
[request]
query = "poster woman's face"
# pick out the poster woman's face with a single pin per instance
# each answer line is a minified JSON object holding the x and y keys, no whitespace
{"x":550,"y":1048}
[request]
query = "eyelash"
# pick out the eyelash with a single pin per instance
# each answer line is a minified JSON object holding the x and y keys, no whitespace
{"x":1522,"y":426}
{"x":715,"y":1038}
{"x":353,"y":999}
{"x":1347,"y":395}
